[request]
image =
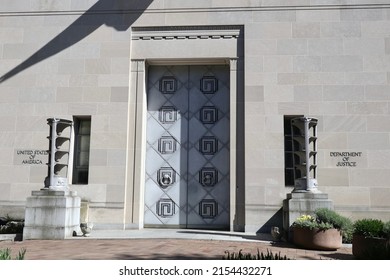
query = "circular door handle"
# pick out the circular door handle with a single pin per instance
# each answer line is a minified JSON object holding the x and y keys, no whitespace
{"x":207,"y":180}
{"x":166,"y":180}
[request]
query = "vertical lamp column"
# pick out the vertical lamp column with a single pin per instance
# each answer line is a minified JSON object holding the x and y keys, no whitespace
{"x":307,"y":151}
{"x":54,"y":211}
{"x":59,"y":149}
{"x":304,"y":135}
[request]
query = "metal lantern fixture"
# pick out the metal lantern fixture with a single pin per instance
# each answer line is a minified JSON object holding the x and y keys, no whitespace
{"x":304,"y":135}
{"x":59,"y":148}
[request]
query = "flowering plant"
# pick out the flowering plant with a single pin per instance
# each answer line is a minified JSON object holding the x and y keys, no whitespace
{"x":323,"y":219}
{"x":311,"y":222}
{"x":305,"y":218}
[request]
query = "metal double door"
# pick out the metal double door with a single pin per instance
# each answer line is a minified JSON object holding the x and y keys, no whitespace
{"x":187,"y":150}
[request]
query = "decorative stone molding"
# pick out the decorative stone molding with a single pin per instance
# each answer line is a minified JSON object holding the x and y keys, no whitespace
{"x":137,"y":65}
{"x":278,"y":6}
{"x":186,"y":32}
{"x":233,"y":64}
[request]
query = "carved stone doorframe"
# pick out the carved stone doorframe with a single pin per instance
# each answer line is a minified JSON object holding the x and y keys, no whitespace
{"x":141,"y":58}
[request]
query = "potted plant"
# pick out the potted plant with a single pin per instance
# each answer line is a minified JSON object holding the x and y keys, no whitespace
{"x":11,"y":228}
{"x":371,"y":238}
{"x":322,"y":231}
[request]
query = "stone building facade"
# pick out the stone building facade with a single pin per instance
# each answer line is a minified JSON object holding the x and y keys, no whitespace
{"x":182,"y":109}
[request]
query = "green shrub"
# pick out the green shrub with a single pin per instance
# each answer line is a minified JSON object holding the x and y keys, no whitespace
{"x":249,"y":256}
{"x":369,"y":228}
{"x":5,"y":254}
{"x":337,"y":221}
{"x":379,"y":248}
{"x":311,"y":222}
{"x":11,"y":226}
{"x":347,"y":235}
{"x":386,"y":229}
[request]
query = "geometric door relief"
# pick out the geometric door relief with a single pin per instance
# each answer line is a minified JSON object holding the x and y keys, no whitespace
{"x":208,"y":145}
{"x":209,"y":115}
{"x":187,"y":150}
{"x":167,"y":145}
{"x":168,"y":114}
{"x":208,"y":176}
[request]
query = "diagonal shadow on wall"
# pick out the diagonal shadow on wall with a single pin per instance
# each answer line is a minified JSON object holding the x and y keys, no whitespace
{"x":119,"y":14}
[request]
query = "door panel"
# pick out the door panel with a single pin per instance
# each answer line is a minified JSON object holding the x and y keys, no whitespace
{"x":187,"y":154}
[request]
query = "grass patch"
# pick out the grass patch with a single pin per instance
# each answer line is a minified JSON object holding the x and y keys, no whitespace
{"x":248,"y":256}
{"x":5,"y":254}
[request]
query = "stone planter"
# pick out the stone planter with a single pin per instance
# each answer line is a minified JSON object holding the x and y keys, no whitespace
{"x":11,"y":237}
{"x":369,"y":247}
{"x":316,"y":239}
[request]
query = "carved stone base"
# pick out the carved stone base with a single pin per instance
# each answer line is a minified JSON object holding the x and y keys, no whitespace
{"x":51,"y":215}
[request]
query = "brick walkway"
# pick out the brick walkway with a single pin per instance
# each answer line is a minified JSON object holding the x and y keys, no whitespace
{"x":88,"y":248}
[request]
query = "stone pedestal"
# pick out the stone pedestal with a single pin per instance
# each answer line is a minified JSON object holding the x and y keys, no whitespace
{"x":51,"y":215}
{"x":302,"y":203}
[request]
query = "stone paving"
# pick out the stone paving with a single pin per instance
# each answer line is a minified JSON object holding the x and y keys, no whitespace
{"x":151,"y":247}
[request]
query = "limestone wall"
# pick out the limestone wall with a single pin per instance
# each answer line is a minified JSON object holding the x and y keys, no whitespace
{"x":329,"y":59}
